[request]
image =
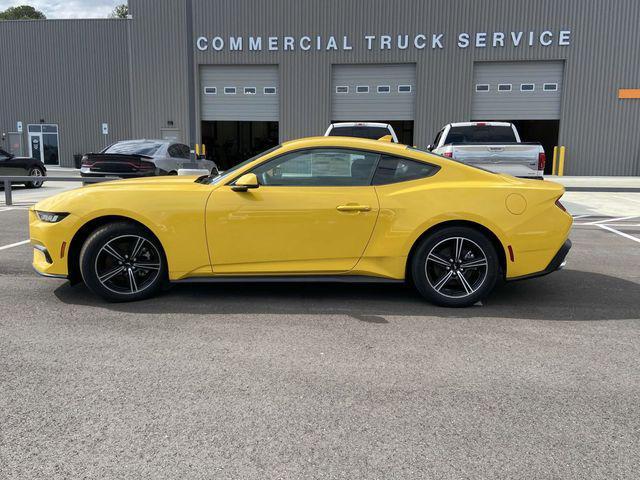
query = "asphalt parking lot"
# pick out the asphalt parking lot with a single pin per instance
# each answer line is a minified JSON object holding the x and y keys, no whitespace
{"x":325,"y":381}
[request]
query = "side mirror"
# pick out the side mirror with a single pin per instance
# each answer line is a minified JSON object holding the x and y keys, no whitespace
{"x":245,"y":182}
{"x":430,"y":147}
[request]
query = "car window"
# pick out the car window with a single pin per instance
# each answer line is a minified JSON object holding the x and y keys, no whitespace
{"x":437,"y":140}
{"x":481,"y":134}
{"x":395,"y":169}
{"x":372,"y":133}
{"x":185,"y":151}
{"x":178,"y":150}
{"x":322,"y":167}
{"x":4,"y":155}
{"x":134,"y":148}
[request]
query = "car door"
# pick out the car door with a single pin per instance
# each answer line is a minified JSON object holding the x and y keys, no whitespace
{"x":313,"y":212}
{"x":11,"y":166}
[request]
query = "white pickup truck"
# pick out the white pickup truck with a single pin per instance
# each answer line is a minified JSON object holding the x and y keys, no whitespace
{"x":494,"y":146}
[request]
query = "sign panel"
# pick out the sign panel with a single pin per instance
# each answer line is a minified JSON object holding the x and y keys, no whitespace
{"x":19,"y":127}
{"x":105,"y":129}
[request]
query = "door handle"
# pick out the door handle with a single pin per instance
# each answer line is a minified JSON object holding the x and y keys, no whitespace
{"x":353,"y":208}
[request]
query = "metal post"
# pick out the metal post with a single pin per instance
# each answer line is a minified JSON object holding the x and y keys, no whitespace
{"x":554,"y":165}
{"x":561,"y":163}
{"x":7,"y":193}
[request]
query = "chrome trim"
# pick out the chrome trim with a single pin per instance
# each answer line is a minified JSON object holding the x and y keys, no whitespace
{"x":44,"y":251}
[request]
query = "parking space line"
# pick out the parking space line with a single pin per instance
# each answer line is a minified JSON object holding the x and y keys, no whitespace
{"x":622,"y":234}
{"x":575,"y":217}
{"x":611,"y":220}
{"x":5,"y":247}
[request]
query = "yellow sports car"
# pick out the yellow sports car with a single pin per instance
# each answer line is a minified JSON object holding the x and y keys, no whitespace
{"x":319,"y":209}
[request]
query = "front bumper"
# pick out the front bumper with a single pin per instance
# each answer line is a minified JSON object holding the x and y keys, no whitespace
{"x":557,"y":263}
{"x":50,"y":243}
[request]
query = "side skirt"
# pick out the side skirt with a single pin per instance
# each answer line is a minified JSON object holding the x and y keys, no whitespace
{"x":289,"y":278}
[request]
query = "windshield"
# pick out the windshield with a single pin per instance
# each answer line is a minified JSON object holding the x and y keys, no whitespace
{"x":134,"y":148}
{"x":481,"y":134}
{"x":232,"y":170}
{"x":372,"y":133}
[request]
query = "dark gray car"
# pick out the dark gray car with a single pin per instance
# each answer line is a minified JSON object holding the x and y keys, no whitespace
{"x":142,"y":158}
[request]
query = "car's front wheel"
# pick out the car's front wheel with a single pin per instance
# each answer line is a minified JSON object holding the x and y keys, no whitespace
{"x":123,"y":262}
{"x":455,"y":267}
{"x":36,"y":173}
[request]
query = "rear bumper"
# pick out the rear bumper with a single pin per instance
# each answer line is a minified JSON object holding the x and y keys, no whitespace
{"x":557,"y":263}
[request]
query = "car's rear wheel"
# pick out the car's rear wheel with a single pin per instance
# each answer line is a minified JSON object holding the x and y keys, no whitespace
{"x":36,"y":173}
{"x":123,"y":262}
{"x":455,"y":267}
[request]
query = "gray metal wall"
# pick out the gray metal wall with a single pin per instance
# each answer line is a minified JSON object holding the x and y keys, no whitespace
{"x":393,"y":105}
{"x":70,"y":72}
{"x":516,"y":104}
{"x":603,"y":56}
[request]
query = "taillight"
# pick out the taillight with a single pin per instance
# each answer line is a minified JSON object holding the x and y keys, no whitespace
{"x":146,"y":166}
{"x":85,"y":162}
{"x":560,"y":206}
{"x":448,"y":154}
{"x":542,"y":160}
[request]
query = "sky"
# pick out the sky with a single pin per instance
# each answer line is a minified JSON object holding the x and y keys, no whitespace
{"x":67,"y":8}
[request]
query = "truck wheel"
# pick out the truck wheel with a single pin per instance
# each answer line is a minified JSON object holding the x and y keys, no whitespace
{"x":123,"y":262}
{"x":455,"y":267}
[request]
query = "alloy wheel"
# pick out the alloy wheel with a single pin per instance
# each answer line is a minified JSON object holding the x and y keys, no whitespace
{"x":128,"y":264}
{"x":37,"y":176}
{"x":456,"y":267}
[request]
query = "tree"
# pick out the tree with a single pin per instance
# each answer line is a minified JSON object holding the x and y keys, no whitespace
{"x":22,"y":12}
{"x":121,"y":11}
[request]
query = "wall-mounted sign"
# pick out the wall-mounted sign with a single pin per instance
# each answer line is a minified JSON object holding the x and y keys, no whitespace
{"x":420,"y":41}
{"x":105,"y":129}
{"x":19,"y":127}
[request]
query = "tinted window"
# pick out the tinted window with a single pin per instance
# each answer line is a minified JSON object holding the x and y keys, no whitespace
{"x":179,"y":151}
{"x":134,"y":148}
{"x":480,"y":134}
{"x":322,"y":167}
{"x":395,"y":169}
{"x":372,"y":133}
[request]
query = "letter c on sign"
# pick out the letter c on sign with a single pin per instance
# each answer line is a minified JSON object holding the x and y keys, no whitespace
{"x":305,"y":43}
{"x":545,"y":38}
{"x":419,"y":41}
{"x":202,"y":43}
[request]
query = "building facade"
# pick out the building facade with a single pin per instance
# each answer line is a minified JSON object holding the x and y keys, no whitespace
{"x":242,"y":75}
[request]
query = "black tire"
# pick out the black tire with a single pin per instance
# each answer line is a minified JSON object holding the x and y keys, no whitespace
{"x":35,"y":172}
{"x":456,"y":258}
{"x":109,"y":271}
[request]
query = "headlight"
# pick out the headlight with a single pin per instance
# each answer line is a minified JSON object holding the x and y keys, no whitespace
{"x":51,"y":217}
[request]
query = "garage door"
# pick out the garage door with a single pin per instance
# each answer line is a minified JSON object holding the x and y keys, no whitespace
{"x":373,"y":92}
{"x":517,"y":90}
{"x":237,"y":93}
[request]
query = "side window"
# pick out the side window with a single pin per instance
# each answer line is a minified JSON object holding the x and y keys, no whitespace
{"x":174,"y":151}
{"x":322,"y":167}
{"x":437,"y":140}
{"x":185,"y":151}
{"x":395,"y":169}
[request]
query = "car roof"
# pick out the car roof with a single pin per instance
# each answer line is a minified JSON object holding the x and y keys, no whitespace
{"x":346,"y":142}
{"x":360,"y":124}
{"x":473,"y":124}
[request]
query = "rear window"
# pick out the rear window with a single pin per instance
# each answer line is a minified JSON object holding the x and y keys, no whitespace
{"x":134,"y":148}
{"x":394,"y":169}
{"x":372,"y":133}
{"x":481,"y":134}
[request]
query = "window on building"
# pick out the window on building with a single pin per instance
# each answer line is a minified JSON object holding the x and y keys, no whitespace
{"x":527,"y":87}
{"x":249,"y":90}
{"x":482,"y":87}
{"x":210,"y":90}
{"x":404,"y":88}
{"x":342,"y":89}
{"x":229,"y":90}
{"x":322,"y":167}
{"x":269,"y":90}
{"x":394,"y":169}
{"x":384,"y":89}
{"x":504,"y":87}
{"x":550,"y":87}
{"x":362,"y":89}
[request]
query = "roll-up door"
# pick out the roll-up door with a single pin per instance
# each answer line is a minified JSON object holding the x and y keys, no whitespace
{"x":239,"y":93}
{"x":517,"y":90}
{"x":373,"y":92}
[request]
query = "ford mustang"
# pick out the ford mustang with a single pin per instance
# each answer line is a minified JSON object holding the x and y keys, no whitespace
{"x":316,"y":209}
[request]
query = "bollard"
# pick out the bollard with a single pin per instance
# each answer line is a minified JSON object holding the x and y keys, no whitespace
{"x":561,"y":162}
{"x":554,"y":164}
{"x":7,"y":193}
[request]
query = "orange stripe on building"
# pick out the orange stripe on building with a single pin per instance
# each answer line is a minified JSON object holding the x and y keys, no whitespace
{"x":629,"y":93}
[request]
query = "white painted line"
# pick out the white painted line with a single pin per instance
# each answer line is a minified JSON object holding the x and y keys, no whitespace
{"x":622,"y":234}
{"x":608,"y":224}
{"x":5,"y":209}
{"x":15,"y":245}
{"x":611,"y":220}
{"x":575,"y":217}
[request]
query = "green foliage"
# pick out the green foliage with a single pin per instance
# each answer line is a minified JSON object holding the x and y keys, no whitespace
{"x":121,"y":11}
{"x":22,"y":12}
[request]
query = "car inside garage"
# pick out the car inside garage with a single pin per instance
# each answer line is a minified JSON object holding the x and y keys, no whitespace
{"x":239,"y":110}
{"x":376,"y":93}
{"x":528,"y":94}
